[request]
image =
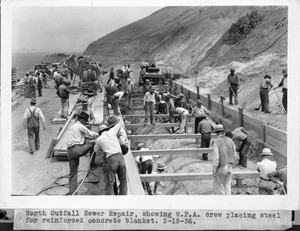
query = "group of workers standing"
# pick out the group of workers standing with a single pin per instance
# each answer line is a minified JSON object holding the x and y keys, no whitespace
{"x":266,"y":85}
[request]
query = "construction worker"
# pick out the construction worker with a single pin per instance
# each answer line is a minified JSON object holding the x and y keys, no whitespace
{"x":129,"y":89}
{"x":149,"y":102}
{"x":113,"y":141}
{"x":204,"y":128}
{"x":180,"y":101}
{"x":200,"y":112}
{"x":146,"y":165}
{"x":283,"y":84}
{"x":183,"y":116}
{"x":147,"y":85}
{"x":265,"y":87}
{"x":63,"y":92}
{"x":233,"y":84}
{"x":280,"y":174}
{"x":223,"y":161}
{"x":78,"y":146}
{"x":266,"y":166}
{"x":39,"y":83}
{"x":89,"y":111}
{"x":242,"y":144}
{"x":171,"y":108}
{"x":158,"y":186}
{"x":115,"y":100}
{"x":32,"y":118}
{"x":57,"y":78}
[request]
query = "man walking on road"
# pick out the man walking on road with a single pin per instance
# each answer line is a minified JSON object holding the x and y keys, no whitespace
{"x":63,"y":93}
{"x":233,"y":84}
{"x":149,"y":102}
{"x":283,"y":84}
{"x":32,"y":117}
{"x":78,"y":146}
{"x":265,"y":87}
{"x":223,"y":160}
{"x":113,"y":141}
{"x":204,"y":127}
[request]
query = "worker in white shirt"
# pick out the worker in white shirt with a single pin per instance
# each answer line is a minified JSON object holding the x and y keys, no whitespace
{"x":32,"y":118}
{"x":146,"y":165}
{"x":129,"y":89}
{"x":113,"y":141}
{"x":149,"y":102}
{"x":115,"y":100}
{"x":183,"y":116}
{"x":267,"y":165}
{"x":78,"y":146}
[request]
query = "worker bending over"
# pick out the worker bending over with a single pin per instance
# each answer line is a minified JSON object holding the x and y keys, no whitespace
{"x":114,"y":143}
{"x":183,"y":116}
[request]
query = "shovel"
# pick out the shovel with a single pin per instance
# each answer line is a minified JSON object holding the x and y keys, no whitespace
{"x":256,"y":109}
{"x":279,"y":101}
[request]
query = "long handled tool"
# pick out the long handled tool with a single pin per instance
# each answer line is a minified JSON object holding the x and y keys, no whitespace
{"x":279,"y":101}
{"x":237,"y":98}
{"x":256,"y":109}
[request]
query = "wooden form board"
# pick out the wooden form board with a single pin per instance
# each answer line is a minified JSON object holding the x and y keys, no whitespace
{"x":133,"y":180}
{"x":157,"y":125}
{"x":72,"y":101}
{"x":194,"y":176}
{"x":166,"y":136}
{"x":155,"y":116}
{"x":162,"y":152}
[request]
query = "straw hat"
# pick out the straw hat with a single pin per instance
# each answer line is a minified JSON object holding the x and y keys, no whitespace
{"x":161,"y":166}
{"x":266,"y":152}
{"x":219,"y":128}
{"x":103,"y":127}
{"x":33,"y":101}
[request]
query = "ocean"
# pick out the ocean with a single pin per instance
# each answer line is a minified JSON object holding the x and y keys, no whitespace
{"x":24,"y":62}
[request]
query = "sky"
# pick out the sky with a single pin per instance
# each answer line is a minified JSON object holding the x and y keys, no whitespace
{"x":69,"y":29}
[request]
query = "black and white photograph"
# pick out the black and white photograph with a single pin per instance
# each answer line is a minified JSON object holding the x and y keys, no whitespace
{"x":181,"y":104}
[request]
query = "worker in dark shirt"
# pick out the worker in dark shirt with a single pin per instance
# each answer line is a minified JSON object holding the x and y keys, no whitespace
{"x":265,"y":86}
{"x":204,"y":127}
{"x":233,"y":84}
{"x":283,"y":84}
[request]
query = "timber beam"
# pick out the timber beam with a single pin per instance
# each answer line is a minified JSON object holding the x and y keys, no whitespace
{"x":160,"y":125}
{"x":166,"y":136}
{"x":194,"y":176}
{"x":182,"y":152}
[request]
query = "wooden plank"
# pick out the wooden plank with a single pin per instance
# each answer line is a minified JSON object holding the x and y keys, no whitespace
{"x":277,"y":145}
{"x":194,"y":176}
{"x":162,"y":152}
{"x":254,"y":122}
{"x":213,"y":124}
{"x":276,"y":133}
{"x":166,"y":136}
{"x":157,"y":125}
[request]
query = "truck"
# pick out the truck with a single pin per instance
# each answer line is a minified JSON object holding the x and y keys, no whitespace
{"x":154,"y":74}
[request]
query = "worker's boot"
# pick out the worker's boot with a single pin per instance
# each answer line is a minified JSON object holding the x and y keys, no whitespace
{"x":205,"y":156}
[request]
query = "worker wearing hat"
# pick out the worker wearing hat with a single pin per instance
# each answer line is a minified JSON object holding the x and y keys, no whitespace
{"x":204,"y":127}
{"x":63,"y":92}
{"x":283,"y":84}
{"x":32,"y":118}
{"x":158,"y":186}
{"x":265,"y":87}
{"x":115,"y":100}
{"x":200,"y":112}
{"x":266,"y":166}
{"x":149,"y":102}
{"x":146,"y":165}
{"x":170,"y":108}
{"x":233,"y":84}
{"x":78,"y":146}
{"x":223,"y":160}
{"x":111,"y":141}
{"x":181,"y":101}
{"x":129,"y":89}
{"x":87,"y":110}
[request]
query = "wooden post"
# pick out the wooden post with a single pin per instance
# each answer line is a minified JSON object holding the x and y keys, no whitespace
{"x":263,"y":129}
{"x":181,"y":88}
{"x":222,"y":106}
{"x":175,"y":89}
{"x":208,"y":102}
{"x":198,"y":92}
{"x":241,"y":117}
{"x":189,"y":94}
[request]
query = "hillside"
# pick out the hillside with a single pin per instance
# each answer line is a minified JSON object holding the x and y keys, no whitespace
{"x":205,"y":42}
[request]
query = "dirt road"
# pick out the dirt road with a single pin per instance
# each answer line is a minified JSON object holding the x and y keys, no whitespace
{"x":33,"y":172}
